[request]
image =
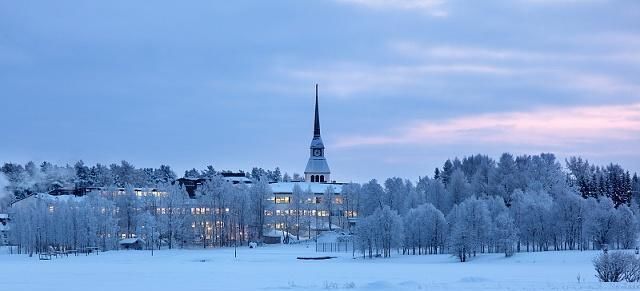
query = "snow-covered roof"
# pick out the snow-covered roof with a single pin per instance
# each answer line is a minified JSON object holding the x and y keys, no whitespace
{"x":317,"y":188}
{"x":128,"y":241}
{"x":48,"y":197}
{"x":317,"y":165}
{"x":237,"y":180}
{"x":278,"y":233}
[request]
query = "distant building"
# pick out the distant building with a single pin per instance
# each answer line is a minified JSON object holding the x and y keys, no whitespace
{"x":132,"y":243}
{"x":191,"y":184}
{"x":4,"y":229}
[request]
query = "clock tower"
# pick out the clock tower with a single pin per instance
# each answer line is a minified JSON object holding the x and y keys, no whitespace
{"x":317,"y":170}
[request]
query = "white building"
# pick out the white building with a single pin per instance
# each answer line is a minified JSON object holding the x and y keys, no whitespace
{"x":316,"y":184}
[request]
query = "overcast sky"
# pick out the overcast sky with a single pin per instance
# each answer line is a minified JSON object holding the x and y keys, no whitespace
{"x":404,"y":84}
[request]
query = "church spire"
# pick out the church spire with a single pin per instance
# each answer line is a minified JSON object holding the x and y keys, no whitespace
{"x":316,"y":124}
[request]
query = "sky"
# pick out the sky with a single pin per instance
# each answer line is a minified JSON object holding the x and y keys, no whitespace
{"x":403,"y":84}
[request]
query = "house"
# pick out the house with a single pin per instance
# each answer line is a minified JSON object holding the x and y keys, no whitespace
{"x":277,"y":237}
{"x":132,"y":244}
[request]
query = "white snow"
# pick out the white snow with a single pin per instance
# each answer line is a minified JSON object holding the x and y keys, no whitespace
{"x":317,"y":188}
{"x":276,"y":268}
{"x":130,"y":241}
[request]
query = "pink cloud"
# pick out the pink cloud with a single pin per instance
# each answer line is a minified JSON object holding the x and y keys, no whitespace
{"x":556,"y":127}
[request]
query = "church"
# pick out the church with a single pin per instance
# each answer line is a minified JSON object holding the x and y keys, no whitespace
{"x":317,"y":183}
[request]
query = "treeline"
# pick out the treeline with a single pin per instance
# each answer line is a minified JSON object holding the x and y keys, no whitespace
{"x":30,"y":178}
{"x":221,"y":214}
{"x":476,"y":205}
{"x":611,"y":181}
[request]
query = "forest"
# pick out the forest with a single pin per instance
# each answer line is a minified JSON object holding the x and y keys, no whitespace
{"x":468,"y":206}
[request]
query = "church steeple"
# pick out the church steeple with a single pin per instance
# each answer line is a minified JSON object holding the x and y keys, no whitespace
{"x":317,"y":169}
{"x":316,"y":124}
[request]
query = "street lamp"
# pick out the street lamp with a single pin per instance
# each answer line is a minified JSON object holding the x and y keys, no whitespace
{"x":153,"y":234}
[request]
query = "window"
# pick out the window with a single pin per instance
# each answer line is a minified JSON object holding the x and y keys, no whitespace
{"x":322,"y":178}
{"x":313,"y":178}
{"x":283,"y":199}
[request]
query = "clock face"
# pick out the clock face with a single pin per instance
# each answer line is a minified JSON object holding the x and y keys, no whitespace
{"x":317,"y":152}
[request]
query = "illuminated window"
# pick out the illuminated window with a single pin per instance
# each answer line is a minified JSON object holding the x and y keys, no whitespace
{"x":350,"y":213}
{"x":283,"y":199}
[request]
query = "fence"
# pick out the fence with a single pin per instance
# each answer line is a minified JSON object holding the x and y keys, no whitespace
{"x":345,"y":246}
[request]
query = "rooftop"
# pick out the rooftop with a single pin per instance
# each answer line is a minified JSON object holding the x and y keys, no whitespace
{"x":317,"y":188}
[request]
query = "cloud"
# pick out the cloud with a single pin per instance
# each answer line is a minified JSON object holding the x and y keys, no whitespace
{"x":549,"y":127}
{"x":624,"y":53}
{"x":344,"y":80}
{"x":598,"y":83}
{"x":415,"y":64}
{"x":434,"y":8}
{"x":562,"y":2}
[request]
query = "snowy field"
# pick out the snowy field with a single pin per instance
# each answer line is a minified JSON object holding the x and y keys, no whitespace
{"x":276,"y":268}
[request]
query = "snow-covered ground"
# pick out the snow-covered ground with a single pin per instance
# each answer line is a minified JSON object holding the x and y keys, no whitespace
{"x":276,"y":268}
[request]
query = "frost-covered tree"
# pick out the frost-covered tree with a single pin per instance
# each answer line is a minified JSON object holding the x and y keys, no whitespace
{"x":351,"y":200}
{"x":372,"y":197}
{"x":147,"y":228}
{"x":381,"y":231}
{"x":567,"y":215}
{"x":174,"y":212}
{"x":260,"y":192}
{"x":626,"y":229}
{"x":425,"y":230}
{"x":128,"y":206}
{"x":531,"y":212}
{"x":458,"y":187}
{"x":470,"y":225}
{"x":505,"y":233}
{"x":600,"y":222}
{"x":297,"y":207}
{"x":396,"y":194}
{"x":328,"y":204}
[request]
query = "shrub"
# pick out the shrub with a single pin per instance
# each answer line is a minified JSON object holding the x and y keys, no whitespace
{"x":632,"y":271}
{"x":616,"y":267}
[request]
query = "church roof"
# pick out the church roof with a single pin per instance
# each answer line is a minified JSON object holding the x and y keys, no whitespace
{"x":317,"y":188}
{"x":317,"y":143}
{"x":317,"y":166}
{"x":316,"y":122}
